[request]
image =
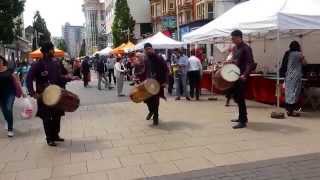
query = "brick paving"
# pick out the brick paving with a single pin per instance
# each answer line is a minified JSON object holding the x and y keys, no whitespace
{"x":109,"y":139}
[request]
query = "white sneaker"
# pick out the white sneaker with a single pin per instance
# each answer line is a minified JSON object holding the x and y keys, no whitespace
{"x":10,"y":133}
{"x":6,"y":126}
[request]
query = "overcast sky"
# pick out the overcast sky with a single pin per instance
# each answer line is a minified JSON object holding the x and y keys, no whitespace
{"x":55,"y":12}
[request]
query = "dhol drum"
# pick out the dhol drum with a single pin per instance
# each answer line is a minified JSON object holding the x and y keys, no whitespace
{"x":226,"y":76}
{"x":144,"y":90}
{"x":54,"y":96}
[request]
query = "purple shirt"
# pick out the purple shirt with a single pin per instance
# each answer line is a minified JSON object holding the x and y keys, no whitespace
{"x":44,"y":73}
{"x":244,"y":58}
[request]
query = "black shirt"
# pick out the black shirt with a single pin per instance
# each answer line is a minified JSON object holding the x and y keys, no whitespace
{"x":6,"y":83}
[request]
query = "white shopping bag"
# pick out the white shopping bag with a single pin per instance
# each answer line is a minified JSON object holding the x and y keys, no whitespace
{"x":25,"y":108}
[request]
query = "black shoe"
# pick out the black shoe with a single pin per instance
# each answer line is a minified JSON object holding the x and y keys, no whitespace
{"x":155,"y":120}
{"x":51,"y":143}
{"x":188,"y":99}
{"x":149,"y":116}
{"x":59,"y":139}
{"x":240,"y":126}
{"x":235,"y":120}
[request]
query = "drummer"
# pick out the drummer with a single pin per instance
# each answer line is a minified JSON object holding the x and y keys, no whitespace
{"x":45,"y":72}
{"x":243,"y":58}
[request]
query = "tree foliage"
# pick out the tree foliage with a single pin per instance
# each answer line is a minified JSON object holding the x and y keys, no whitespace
{"x":62,"y":45}
{"x":123,"y":21}
{"x":10,"y":10}
{"x":41,"y":30}
{"x":83,"y":49}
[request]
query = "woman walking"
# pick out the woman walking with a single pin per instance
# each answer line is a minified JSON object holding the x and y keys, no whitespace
{"x":10,"y":87}
{"x":293,"y":78}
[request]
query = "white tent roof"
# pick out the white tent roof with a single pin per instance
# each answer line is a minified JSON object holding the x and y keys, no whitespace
{"x":105,"y":51}
{"x":160,"y":41}
{"x":261,"y":16}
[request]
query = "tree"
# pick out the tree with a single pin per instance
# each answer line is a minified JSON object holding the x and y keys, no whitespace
{"x":83,"y":48}
{"x":123,"y":22}
{"x":41,"y":30}
{"x":10,"y":10}
{"x":62,"y":45}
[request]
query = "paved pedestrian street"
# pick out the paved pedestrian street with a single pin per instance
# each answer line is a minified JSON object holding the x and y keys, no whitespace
{"x":111,"y":140}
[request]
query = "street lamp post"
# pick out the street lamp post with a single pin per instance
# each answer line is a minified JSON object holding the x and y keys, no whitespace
{"x":177,"y":21}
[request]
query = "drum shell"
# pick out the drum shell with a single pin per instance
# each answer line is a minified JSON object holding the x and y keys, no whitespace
{"x":140,"y":93}
{"x":219,"y":82}
{"x":69,"y":102}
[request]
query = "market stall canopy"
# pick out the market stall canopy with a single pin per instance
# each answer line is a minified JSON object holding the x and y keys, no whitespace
{"x":261,"y":16}
{"x":105,"y":51}
{"x":37,"y":54}
{"x":119,"y":49}
{"x":129,"y":47}
{"x":160,"y":41}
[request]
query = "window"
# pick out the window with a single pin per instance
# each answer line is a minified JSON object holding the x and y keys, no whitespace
{"x":102,"y":15}
{"x":210,"y":11}
{"x":158,"y":10}
{"x":171,"y":5}
{"x":164,"y":6}
{"x":188,"y":16}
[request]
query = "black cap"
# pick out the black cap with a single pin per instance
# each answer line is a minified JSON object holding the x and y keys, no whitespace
{"x":46,"y":47}
{"x":236,"y":33}
{"x":147,"y":45}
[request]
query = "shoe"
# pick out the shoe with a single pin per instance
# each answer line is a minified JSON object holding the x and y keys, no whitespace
{"x":149,"y":116}
{"x":51,"y":143}
{"x":188,"y":99}
{"x":177,"y":98}
{"x":155,"y":120}
{"x":198,"y":99}
{"x":59,"y":139}
{"x":10,"y":134}
{"x":239,"y":126}
{"x":294,"y":114}
{"x":235,"y":120}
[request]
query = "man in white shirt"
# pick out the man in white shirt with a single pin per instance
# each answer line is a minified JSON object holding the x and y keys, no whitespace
{"x":194,"y":75}
{"x":110,"y":66}
{"x":119,"y":73}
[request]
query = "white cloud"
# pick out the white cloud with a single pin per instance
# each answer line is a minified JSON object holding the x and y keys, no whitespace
{"x":55,"y":12}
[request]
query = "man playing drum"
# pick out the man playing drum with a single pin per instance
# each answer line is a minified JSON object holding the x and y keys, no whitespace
{"x":48,"y":71}
{"x":155,"y":68}
{"x":243,"y":58}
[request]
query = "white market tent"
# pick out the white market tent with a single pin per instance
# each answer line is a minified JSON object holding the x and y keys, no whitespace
{"x":259,"y":16}
{"x":262,"y":16}
{"x":105,"y":51}
{"x":160,"y":41}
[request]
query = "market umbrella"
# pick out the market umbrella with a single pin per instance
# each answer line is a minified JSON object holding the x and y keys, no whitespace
{"x":37,"y":53}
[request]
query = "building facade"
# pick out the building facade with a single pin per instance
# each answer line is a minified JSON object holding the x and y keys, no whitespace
{"x":221,"y":6}
{"x":140,"y":12}
{"x":95,"y":25}
{"x":72,"y":36}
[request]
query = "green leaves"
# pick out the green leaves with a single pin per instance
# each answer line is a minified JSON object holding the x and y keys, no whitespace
{"x":10,"y":10}
{"x":40,"y":27}
{"x":122,"y":22}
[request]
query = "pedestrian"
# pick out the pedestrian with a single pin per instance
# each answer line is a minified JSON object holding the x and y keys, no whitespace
{"x":229,"y":92}
{"x":120,"y":74}
{"x":110,"y":66}
{"x":243,"y":58}
{"x":170,"y":76}
{"x":194,"y":75}
{"x":101,"y":71}
{"x":156,"y":68}
{"x":10,"y":87}
{"x":45,"y":72}
{"x":77,"y":68}
{"x":293,"y":78}
{"x":181,"y":75}
{"x":85,"y":70}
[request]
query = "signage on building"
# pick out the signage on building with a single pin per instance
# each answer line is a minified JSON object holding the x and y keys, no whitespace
{"x":169,"y":21}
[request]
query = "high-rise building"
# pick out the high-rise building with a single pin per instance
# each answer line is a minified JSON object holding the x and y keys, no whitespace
{"x":72,"y":36}
{"x":140,"y":12}
{"x":95,"y":26}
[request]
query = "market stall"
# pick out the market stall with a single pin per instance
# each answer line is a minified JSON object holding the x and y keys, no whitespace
{"x":160,"y":41}
{"x":37,"y":54}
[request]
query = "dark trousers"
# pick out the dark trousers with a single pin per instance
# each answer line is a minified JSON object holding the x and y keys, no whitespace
{"x":6,"y":105}
{"x":86,"y":79}
{"x":170,"y":84}
{"x":194,"y":81}
{"x":239,"y":97}
{"x":153,"y":105}
{"x":51,"y":126}
{"x":111,"y":75}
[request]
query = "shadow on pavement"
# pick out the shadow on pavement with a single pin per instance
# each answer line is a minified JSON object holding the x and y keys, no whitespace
{"x":274,"y":127}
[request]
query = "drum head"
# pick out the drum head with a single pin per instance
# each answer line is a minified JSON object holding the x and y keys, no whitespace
{"x":51,"y":95}
{"x":230,"y":72}
{"x":152,"y":86}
